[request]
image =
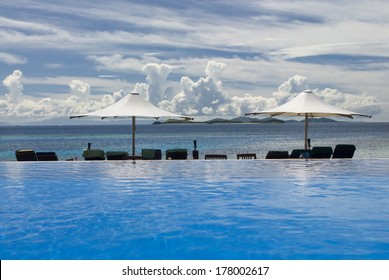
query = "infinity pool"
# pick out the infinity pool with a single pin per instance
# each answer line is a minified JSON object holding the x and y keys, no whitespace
{"x":261,"y":209}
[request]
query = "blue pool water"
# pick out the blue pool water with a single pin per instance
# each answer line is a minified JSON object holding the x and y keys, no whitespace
{"x":263,"y":209}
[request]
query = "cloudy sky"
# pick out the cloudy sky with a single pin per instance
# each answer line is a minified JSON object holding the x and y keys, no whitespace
{"x":201,"y":58}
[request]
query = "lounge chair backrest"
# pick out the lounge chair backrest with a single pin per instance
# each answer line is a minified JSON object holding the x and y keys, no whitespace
{"x":246,"y":156}
{"x":47,"y":156}
{"x":321,"y":152}
{"x":277,"y":155}
{"x":215,"y":156}
{"x":177,"y":154}
{"x":93,"y":154}
{"x":116,"y":155}
{"x":25,"y":155}
{"x":151,"y":154}
{"x":300,"y":153}
{"x":344,"y":151}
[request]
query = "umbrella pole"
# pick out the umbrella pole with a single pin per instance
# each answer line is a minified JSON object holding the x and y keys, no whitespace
{"x":133,"y":136}
{"x":306,"y":132}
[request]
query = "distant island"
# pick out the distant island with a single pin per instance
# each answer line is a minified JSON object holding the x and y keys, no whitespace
{"x":241,"y":120}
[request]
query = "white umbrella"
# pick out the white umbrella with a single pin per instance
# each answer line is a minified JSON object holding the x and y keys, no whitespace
{"x":307,"y":104}
{"x":131,"y":106}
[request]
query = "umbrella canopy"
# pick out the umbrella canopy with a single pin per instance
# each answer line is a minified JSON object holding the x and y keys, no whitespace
{"x":131,"y":106}
{"x":307,"y":104}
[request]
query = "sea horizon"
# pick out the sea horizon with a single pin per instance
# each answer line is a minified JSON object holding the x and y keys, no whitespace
{"x":68,"y":141}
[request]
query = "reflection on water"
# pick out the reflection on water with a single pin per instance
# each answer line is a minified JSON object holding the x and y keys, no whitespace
{"x":264,"y":209}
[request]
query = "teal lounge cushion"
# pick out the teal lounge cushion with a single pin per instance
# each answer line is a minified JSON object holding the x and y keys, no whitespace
{"x":151,"y":154}
{"x":93,"y":154}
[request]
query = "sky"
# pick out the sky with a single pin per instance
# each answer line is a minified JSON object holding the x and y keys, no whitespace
{"x":206,"y":59}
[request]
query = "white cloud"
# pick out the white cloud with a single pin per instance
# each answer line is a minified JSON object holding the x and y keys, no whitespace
{"x":363,"y":103}
{"x":116,"y":62}
{"x":19,"y":108}
{"x":205,"y":97}
{"x":12,"y":59}
{"x":80,"y":89}
{"x":171,"y":28}
{"x":157,"y":81}
{"x":15,"y":87}
{"x":185,"y":38}
{"x":295,"y":84}
{"x":281,"y":27}
{"x":214,"y":70}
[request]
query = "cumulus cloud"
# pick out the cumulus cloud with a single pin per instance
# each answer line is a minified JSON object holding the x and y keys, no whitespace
{"x":214,"y":70}
{"x":157,"y":81}
{"x":297,"y":83}
{"x":206,"y":96}
{"x":202,"y":97}
{"x":363,"y":103}
{"x":15,"y":87}
{"x":80,"y":89}
{"x":19,"y":108}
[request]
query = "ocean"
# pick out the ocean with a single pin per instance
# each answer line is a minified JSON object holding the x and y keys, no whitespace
{"x":300,"y":209}
{"x":370,"y":139}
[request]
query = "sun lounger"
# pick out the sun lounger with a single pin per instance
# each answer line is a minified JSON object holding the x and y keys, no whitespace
{"x":300,"y":153}
{"x":321,"y":152}
{"x":277,"y":155}
{"x":31,"y":155}
{"x":47,"y":156}
{"x":177,"y":154}
{"x":25,"y":155}
{"x":116,"y":155}
{"x":215,"y":156}
{"x":246,"y":156}
{"x":344,"y":151}
{"x":90,"y":154}
{"x":151,"y":154}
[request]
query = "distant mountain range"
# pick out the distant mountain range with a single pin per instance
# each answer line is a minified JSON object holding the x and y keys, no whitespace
{"x":243,"y":120}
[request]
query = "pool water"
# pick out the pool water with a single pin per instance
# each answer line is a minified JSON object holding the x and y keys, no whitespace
{"x":193,"y":210}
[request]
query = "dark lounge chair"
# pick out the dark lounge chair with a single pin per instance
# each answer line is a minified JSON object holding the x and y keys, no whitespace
{"x":344,"y":151}
{"x":300,"y":153}
{"x":215,"y":156}
{"x":246,"y":156}
{"x":177,"y":154}
{"x":47,"y":156}
{"x":25,"y":155}
{"x":151,"y":154}
{"x":321,"y":152}
{"x":277,"y":155}
{"x":90,"y":154}
{"x":116,"y":155}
